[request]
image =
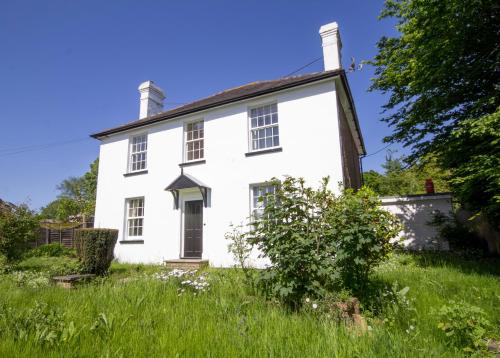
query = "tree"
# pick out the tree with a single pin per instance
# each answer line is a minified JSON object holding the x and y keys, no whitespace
{"x":441,"y":72}
{"x":77,"y":196}
{"x":18,"y":226}
{"x":477,"y":169}
{"x":399,"y":180}
{"x":60,"y":209}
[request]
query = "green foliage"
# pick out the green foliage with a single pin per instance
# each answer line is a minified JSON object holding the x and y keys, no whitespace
{"x":318,"y":243}
{"x":442,"y":76}
{"x":31,"y":279}
{"x":457,"y":234}
{"x":440,"y":70}
{"x":60,"y":209}
{"x":4,"y":264}
{"x":464,"y":325}
{"x":50,"y":250}
{"x":227,"y":321}
{"x":18,"y":226}
{"x":397,"y":308}
{"x":77,"y":196}
{"x":399,"y":180}
{"x":360,"y":231}
{"x":51,"y":266}
{"x":476,"y":170}
{"x":94,"y":248}
{"x":42,"y":325}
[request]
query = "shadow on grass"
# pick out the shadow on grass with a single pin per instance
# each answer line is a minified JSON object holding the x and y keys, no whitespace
{"x":466,"y":262}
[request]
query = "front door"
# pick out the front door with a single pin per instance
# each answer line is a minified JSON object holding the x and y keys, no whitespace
{"x":193,"y":228}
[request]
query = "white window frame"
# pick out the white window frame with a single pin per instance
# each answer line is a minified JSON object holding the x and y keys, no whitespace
{"x":131,"y":153}
{"x":272,"y":125}
{"x":199,"y":140}
{"x":129,"y":218}
{"x":254,"y":210}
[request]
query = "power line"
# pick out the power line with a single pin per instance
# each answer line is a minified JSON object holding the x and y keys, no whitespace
{"x":301,"y":68}
{"x":19,"y":150}
{"x":378,"y":151}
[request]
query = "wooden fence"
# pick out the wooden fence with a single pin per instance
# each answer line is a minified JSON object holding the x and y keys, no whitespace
{"x":63,"y":233}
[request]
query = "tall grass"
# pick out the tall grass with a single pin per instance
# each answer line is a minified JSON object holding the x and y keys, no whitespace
{"x":141,"y":317}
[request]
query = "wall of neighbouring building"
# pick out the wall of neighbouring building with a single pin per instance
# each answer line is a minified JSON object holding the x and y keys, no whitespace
{"x":416,"y":212}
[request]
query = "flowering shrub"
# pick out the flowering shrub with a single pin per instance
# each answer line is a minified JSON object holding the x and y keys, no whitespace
{"x":31,"y":279}
{"x":187,"y":280}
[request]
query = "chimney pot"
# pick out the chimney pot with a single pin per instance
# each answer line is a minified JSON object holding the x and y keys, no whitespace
{"x":152,"y":98}
{"x":330,"y":39}
{"x":429,"y":186}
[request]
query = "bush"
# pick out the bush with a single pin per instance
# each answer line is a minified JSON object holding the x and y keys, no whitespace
{"x":31,"y":279}
{"x":52,"y":266}
{"x":459,"y":236}
{"x":360,"y":232}
{"x":94,"y":248}
{"x":319,"y":243}
{"x":465,"y":325}
{"x":18,"y":226}
{"x":50,"y":250}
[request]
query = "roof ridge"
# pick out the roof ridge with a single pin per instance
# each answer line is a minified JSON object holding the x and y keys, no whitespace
{"x":224,"y":97}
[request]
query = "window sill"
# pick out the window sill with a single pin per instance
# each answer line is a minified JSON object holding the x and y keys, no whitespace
{"x":131,"y":242}
{"x":264,"y":151}
{"x":194,"y":162}
{"x":131,"y":174}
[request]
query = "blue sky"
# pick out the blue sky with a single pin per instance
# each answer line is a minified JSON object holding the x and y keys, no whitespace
{"x":70,"y":68}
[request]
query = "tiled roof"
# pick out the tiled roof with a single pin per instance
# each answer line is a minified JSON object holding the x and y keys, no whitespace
{"x":250,"y":90}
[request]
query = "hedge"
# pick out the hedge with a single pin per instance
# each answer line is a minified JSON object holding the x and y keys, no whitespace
{"x":94,"y":248}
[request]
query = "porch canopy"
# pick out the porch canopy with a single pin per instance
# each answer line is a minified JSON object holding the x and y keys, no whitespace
{"x":186,"y":181}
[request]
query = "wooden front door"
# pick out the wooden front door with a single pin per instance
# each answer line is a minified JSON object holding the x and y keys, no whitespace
{"x":193,"y":228}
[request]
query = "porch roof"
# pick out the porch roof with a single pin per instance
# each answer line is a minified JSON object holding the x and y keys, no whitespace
{"x":186,"y":181}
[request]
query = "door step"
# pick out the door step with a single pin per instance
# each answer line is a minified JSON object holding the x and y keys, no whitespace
{"x":186,"y":264}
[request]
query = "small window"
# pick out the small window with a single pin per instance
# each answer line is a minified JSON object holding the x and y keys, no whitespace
{"x":138,"y":153}
{"x":264,"y":130}
{"x":135,"y":217}
{"x":260,"y":191}
{"x":194,"y":139}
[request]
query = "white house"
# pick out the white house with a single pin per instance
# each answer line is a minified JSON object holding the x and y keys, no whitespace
{"x":173,"y":181}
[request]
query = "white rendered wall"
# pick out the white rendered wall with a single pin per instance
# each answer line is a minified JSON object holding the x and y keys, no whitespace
{"x":309,"y":137}
{"x":415,"y":213}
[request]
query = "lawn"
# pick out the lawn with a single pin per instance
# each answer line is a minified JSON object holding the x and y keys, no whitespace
{"x":131,"y":314}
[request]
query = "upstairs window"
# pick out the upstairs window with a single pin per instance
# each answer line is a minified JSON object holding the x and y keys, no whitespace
{"x":138,"y":153}
{"x":194,"y":141}
{"x":135,"y":217}
{"x":264,"y":131}
{"x":257,"y":192}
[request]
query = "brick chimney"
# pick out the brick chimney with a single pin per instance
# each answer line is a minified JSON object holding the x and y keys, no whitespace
{"x":152,"y":98}
{"x":330,"y":38}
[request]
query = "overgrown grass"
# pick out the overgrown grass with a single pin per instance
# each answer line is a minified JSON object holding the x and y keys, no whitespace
{"x":128,"y":315}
